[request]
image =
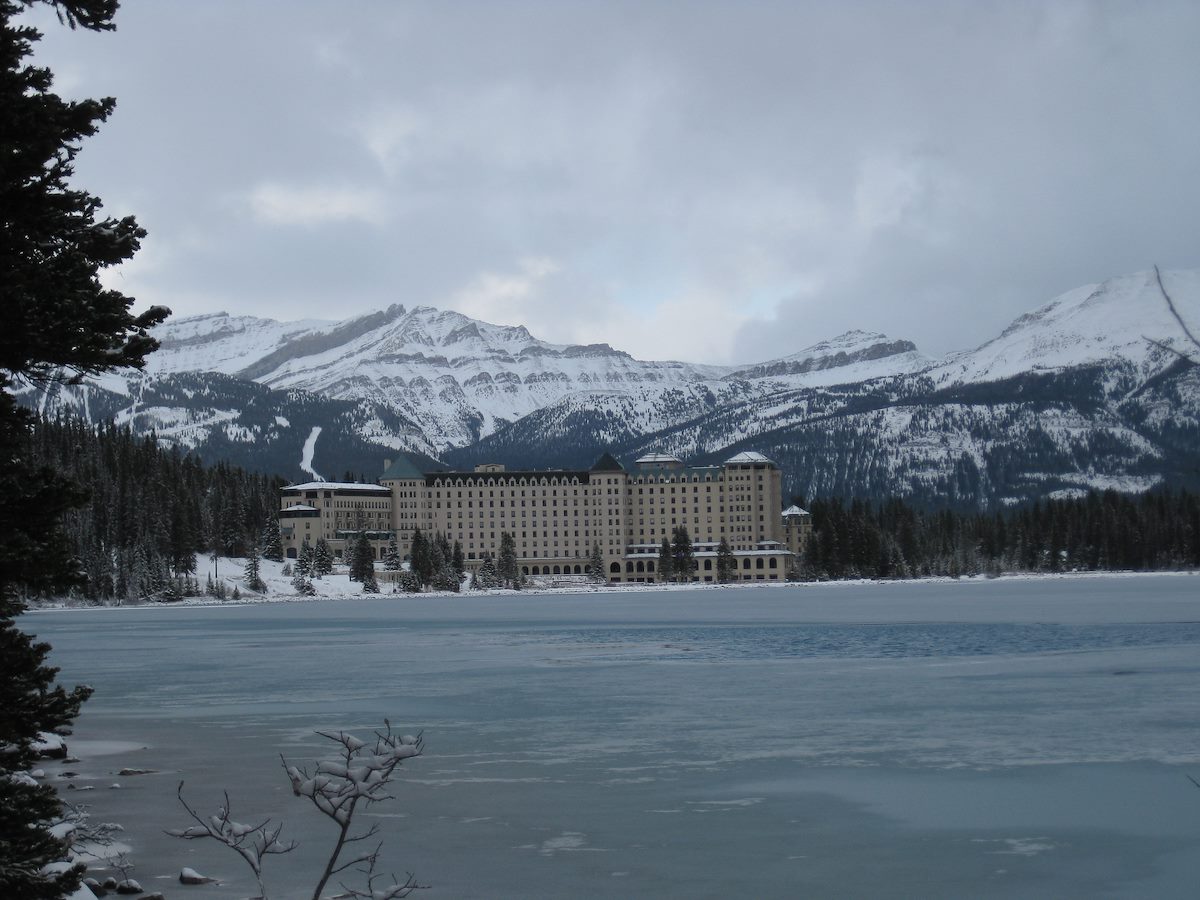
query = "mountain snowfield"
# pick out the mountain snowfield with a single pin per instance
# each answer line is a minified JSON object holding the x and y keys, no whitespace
{"x":1078,"y":393}
{"x":1093,"y":324}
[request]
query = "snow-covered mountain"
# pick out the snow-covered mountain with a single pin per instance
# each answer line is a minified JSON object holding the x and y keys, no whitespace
{"x":451,"y":379}
{"x":456,"y":378}
{"x":1084,"y":391}
{"x":1097,"y":324}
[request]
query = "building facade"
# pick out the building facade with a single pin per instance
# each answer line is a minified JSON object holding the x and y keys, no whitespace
{"x":334,"y":512}
{"x":556,"y":517}
{"x":797,"y":529}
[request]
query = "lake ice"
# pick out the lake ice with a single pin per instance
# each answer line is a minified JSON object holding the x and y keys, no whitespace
{"x":1007,"y":738}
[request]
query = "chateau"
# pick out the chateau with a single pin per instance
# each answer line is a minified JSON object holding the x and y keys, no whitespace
{"x":556,"y":516}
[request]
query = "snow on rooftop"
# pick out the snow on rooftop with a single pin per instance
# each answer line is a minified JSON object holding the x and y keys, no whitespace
{"x":303,"y":506}
{"x":747,"y":456}
{"x":651,"y":458}
{"x":794,"y":510}
{"x":337,"y":486}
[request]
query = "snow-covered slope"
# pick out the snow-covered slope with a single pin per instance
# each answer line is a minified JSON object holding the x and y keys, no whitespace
{"x":1080,"y":393}
{"x":456,"y":377}
{"x":1084,"y":390}
{"x":221,"y":342}
{"x":853,"y":356}
{"x":460,"y":379}
{"x":1104,"y":323}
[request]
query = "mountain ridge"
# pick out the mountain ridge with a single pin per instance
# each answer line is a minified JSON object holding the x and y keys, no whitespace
{"x":1096,"y":361}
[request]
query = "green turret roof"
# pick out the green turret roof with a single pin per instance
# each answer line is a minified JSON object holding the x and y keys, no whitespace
{"x":402,"y":468}
{"x":606,"y":463}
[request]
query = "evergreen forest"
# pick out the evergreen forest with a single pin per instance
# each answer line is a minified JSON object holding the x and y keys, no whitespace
{"x":149,"y":510}
{"x":1099,"y":532}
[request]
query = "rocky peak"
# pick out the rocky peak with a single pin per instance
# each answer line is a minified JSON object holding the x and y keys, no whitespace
{"x":846,"y":349}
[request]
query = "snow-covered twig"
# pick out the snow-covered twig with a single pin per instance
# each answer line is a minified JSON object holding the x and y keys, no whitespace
{"x":360,"y":772}
{"x":393,"y":890}
{"x":250,"y":842}
{"x":76,"y":827}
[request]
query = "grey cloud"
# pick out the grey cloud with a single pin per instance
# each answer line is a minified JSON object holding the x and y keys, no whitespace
{"x":927,"y":169}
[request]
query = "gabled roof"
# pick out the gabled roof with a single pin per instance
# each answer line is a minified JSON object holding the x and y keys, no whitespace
{"x":607,"y":463}
{"x":402,"y":468}
{"x":794,"y":510}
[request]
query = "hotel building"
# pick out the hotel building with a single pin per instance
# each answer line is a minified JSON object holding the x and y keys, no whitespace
{"x":557,"y":516}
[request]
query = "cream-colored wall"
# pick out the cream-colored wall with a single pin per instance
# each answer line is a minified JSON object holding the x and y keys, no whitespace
{"x":337,"y":510}
{"x":551,"y":517}
{"x":555,"y":518}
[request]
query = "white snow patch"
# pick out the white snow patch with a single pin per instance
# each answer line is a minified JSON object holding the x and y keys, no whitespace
{"x":306,"y":457}
{"x":93,"y":852}
{"x":568,"y":842}
{"x":1018,"y":846}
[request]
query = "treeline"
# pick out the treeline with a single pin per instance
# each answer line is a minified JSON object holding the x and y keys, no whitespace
{"x":1102,"y":531}
{"x":150,"y":509}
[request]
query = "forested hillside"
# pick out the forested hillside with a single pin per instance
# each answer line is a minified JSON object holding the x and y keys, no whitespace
{"x":150,"y":509}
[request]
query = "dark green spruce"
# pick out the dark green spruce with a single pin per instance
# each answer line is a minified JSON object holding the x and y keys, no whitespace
{"x":60,"y":324}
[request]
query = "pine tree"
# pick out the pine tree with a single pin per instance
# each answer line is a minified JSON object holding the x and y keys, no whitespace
{"x":362,"y":558}
{"x":253,"y":576}
{"x":506,"y":568}
{"x":369,"y":582}
{"x":446,"y":579}
{"x":322,"y":563}
{"x":391,"y":557}
{"x":272,"y":541}
{"x":59,"y":321}
{"x":60,"y":324}
{"x":666,"y":561}
{"x":683,"y":559}
{"x":31,"y":703}
{"x":596,"y":565}
{"x":458,"y":561}
{"x":726,"y":562}
{"x":443,"y":553}
{"x":304,"y":560}
{"x":422,"y":558}
{"x":181,"y":541}
{"x":487,"y":576}
{"x":301,"y":583}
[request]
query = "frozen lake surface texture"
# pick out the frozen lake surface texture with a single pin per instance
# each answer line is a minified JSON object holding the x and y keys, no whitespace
{"x":1009,"y":738}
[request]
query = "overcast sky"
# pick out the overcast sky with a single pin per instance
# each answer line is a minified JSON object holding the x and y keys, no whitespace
{"x":717,"y":182}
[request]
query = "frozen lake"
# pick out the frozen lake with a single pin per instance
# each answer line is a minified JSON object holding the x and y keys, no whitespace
{"x":1009,"y":738}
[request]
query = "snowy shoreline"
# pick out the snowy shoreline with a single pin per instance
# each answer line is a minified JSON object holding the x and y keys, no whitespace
{"x":339,"y":587}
